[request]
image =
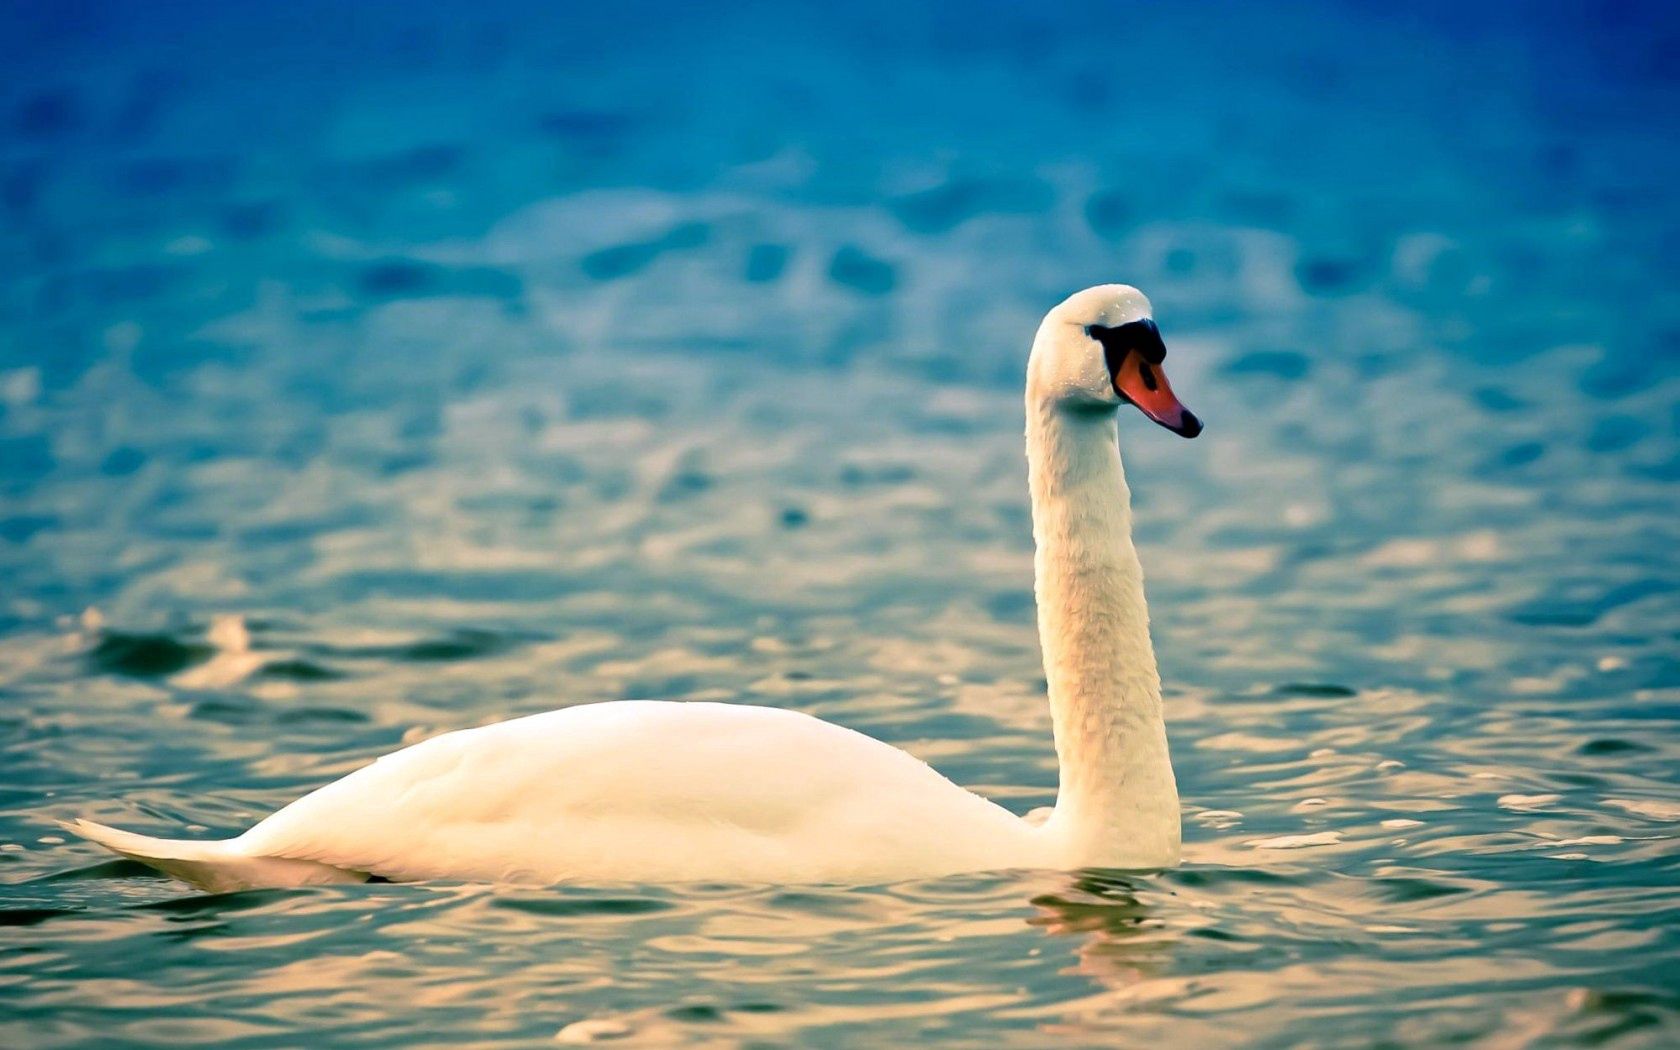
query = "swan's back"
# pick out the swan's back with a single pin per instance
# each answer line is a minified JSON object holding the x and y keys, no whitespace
{"x":647,"y":790}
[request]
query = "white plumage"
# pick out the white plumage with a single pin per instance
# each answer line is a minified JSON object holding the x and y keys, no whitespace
{"x":662,"y":792}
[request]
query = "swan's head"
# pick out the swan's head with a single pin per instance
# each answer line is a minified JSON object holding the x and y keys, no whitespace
{"x":1100,"y":349}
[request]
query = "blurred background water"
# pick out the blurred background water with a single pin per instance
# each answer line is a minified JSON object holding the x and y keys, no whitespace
{"x":372,"y":370}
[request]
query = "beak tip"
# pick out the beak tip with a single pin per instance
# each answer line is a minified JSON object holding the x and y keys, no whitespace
{"x":1190,"y":425}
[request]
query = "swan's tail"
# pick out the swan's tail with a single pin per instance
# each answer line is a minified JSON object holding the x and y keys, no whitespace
{"x":215,"y":866}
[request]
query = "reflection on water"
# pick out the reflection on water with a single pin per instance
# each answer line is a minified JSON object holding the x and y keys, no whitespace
{"x":430,"y":369}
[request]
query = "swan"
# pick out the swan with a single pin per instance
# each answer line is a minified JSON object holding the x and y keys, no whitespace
{"x":657,"y":791}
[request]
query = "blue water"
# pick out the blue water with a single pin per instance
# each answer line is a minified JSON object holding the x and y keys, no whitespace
{"x":368,"y":371}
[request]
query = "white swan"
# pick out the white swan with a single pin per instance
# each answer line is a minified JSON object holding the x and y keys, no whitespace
{"x":655,"y":791}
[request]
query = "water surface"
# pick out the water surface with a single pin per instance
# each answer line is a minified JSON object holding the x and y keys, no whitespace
{"x":367,"y":374}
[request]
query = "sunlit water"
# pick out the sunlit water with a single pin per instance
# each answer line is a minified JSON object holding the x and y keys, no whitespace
{"x":368,"y":373}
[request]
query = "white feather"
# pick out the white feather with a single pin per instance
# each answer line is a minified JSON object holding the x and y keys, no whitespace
{"x":652,"y":791}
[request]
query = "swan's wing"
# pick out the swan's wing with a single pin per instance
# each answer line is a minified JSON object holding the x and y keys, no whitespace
{"x":646,"y":791}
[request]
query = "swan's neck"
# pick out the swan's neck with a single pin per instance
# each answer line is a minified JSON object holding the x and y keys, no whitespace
{"x":1118,"y":803}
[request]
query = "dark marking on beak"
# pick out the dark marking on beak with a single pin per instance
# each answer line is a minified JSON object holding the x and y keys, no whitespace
{"x":1141,"y":336}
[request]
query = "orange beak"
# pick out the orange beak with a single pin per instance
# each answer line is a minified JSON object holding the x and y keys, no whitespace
{"x":1145,"y":385}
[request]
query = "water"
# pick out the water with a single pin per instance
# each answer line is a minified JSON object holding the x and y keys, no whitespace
{"x":370,"y":373}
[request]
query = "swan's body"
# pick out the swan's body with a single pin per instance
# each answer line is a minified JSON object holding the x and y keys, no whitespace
{"x":648,"y":790}
{"x":653,"y":791}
